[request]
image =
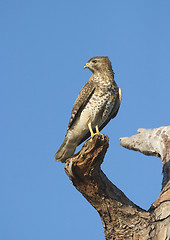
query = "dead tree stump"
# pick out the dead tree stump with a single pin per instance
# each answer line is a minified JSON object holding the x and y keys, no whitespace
{"x":121,"y":218}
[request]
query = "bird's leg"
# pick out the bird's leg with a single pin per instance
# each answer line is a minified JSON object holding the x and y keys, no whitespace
{"x":97,"y":130}
{"x":91,"y":131}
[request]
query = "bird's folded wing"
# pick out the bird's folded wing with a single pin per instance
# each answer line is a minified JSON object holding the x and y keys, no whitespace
{"x":81,"y":101}
{"x":115,"y":109}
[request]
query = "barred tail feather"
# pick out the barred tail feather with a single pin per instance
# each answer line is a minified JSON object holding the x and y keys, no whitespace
{"x":66,"y":150}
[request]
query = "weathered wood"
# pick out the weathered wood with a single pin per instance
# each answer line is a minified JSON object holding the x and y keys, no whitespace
{"x":156,"y":142}
{"x":121,"y":218}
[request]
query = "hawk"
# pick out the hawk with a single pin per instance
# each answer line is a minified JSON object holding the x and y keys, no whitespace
{"x":97,"y":103}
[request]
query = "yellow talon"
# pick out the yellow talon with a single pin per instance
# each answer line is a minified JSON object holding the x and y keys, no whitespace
{"x":92,"y":133}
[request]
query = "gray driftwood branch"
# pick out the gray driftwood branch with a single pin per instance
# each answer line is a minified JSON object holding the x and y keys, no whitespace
{"x":121,"y":218}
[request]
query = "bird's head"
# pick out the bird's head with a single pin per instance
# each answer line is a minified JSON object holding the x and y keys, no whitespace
{"x":98,"y":64}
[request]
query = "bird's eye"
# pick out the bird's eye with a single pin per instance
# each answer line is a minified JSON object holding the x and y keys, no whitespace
{"x":94,"y":61}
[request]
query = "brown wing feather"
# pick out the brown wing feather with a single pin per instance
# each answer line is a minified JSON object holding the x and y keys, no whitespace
{"x":81,"y":101}
{"x":116,"y":105}
{"x":115,"y":109}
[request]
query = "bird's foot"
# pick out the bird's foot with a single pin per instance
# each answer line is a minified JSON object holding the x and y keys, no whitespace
{"x":94,"y":134}
{"x":91,"y":139}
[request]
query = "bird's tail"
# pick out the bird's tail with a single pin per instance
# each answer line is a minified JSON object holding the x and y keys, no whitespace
{"x":66,"y":150}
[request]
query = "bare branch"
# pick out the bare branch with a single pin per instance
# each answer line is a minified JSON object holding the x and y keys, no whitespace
{"x":152,"y":142}
{"x":156,"y":142}
{"x":121,"y":218}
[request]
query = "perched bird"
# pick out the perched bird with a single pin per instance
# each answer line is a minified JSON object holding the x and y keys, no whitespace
{"x":97,"y":103}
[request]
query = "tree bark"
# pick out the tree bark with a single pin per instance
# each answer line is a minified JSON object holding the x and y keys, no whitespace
{"x":121,"y":218}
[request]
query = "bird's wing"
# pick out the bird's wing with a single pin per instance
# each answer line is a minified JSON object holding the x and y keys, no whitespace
{"x":115,"y":109}
{"x":81,"y":101}
{"x":116,"y":104}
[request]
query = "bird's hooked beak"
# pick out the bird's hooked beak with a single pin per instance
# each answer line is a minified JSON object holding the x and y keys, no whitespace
{"x":87,"y":65}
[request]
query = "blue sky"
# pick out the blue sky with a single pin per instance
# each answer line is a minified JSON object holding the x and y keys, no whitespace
{"x":44,"y":46}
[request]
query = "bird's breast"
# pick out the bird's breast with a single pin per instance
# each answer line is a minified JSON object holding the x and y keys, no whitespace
{"x":99,"y":106}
